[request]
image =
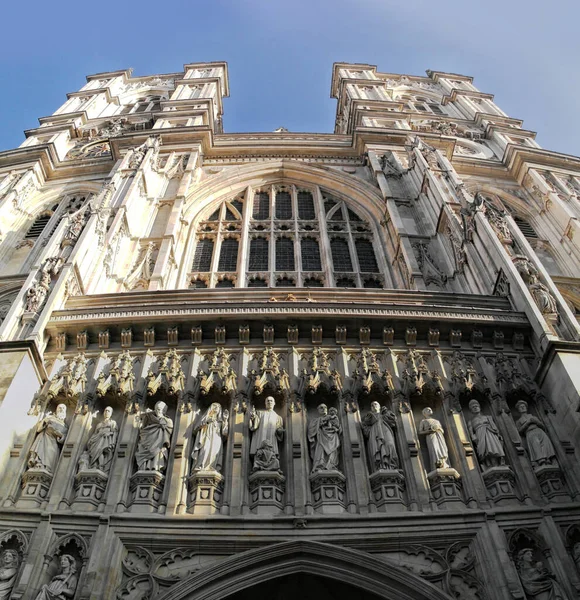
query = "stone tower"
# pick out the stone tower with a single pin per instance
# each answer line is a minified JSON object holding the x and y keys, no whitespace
{"x":283,"y":363}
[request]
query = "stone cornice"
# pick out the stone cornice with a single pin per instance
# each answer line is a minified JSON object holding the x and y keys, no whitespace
{"x":31,"y":348}
{"x":108,"y":74}
{"x":436,"y":75}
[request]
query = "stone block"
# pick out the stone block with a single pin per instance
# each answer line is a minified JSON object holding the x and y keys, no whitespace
{"x":552,"y":484}
{"x":35,"y":487}
{"x":90,"y":487}
{"x":267,"y":492}
{"x":145,"y":489}
{"x":205,"y":491}
{"x":500,"y":483}
{"x":388,"y":489}
{"x":446,"y":487}
{"x":328,"y":491}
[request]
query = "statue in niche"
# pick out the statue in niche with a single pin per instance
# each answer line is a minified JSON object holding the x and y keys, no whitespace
{"x":486,"y":437}
{"x":540,"y":447}
{"x":207,"y":452}
{"x":377,"y":427}
{"x":431,"y":428}
{"x":62,"y":586}
{"x":538,"y":582}
{"x":266,"y":425}
{"x":154,"y":439}
{"x":266,"y":459}
{"x":51,"y":432}
{"x":10,"y":562}
{"x":101,"y":445}
{"x":324,"y":438}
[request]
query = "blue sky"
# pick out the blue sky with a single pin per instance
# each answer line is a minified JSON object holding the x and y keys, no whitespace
{"x":280,"y":54}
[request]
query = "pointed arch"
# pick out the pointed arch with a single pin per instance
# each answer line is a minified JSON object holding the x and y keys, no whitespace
{"x":231,"y":182}
{"x":352,"y":567}
{"x":296,"y":193}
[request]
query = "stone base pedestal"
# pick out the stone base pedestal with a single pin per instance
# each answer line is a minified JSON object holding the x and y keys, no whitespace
{"x":388,"y":486}
{"x":35,"y":487}
{"x":267,"y":492}
{"x":145,"y":488}
{"x":328,"y":491}
{"x":205,"y":490}
{"x":446,"y":486}
{"x":90,"y":486}
{"x":500,"y":483}
{"x":552,"y":483}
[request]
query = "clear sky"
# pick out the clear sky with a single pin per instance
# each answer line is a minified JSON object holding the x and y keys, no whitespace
{"x":280,"y":54}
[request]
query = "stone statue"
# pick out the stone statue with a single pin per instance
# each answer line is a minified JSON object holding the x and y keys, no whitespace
{"x":542,"y":296}
{"x":102,"y":443}
{"x":207,"y":452}
{"x":540,"y":447}
{"x":266,"y":459}
{"x":378,"y":429}
{"x":63,"y":586}
{"x":486,"y":437}
{"x":36,"y":295}
{"x":154,"y":439}
{"x":324,"y":438}
{"x":266,"y":425}
{"x":51,"y":432}
{"x":431,"y":428}
{"x":538,"y":582}
{"x":9,"y":564}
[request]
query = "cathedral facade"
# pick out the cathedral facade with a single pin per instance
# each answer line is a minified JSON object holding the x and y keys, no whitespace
{"x":287,"y":363}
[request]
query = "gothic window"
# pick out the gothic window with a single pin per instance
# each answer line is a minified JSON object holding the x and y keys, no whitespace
{"x":284,"y":254}
{"x":435,"y":108}
{"x":259,"y":248}
{"x":228,"y":255}
{"x":310,"y":255}
{"x":329,"y":204}
{"x":306,"y":206}
{"x":257,"y":282}
{"x":261,"y":205}
{"x":225,"y":283}
{"x":38,"y":226}
{"x":372,"y":283}
{"x":202,"y":256}
{"x":285,"y":282}
{"x":340,"y":255}
{"x":288,"y":237}
{"x":366,"y":256}
{"x":345,"y":282}
{"x":526,"y":228}
{"x":283,"y":205}
{"x":313,"y":282}
{"x":198,"y":284}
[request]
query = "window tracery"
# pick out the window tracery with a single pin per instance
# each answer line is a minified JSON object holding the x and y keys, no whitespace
{"x":296,"y":237}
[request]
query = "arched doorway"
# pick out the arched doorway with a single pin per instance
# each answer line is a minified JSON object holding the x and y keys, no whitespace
{"x":303,"y":586}
{"x":304,"y":570}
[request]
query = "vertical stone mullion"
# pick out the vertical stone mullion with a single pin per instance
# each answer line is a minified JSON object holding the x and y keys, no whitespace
{"x":238,"y":448}
{"x":118,"y":495}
